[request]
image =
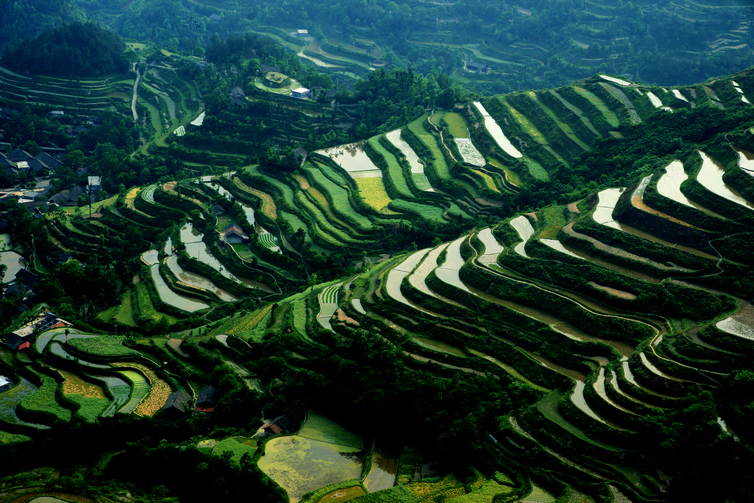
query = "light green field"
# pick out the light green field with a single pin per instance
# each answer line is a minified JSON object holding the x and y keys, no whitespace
{"x":456,"y":125}
{"x":318,"y":427}
{"x":125,"y":313}
{"x":43,"y":400}
{"x":526,"y":124}
{"x":12,"y":438}
{"x":536,"y":170}
{"x":394,"y":170}
{"x":300,"y":465}
{"x":562,"y":125}
{"x":554,"y":221}
{"x":432,"y":214}
{"x":608,"y":114}
{"x":106,"y":345}
{"x":338,"y":194}
{"x":484,"y":494}
{"x":237,"y":446}
{"x":438,"y":160}
{"x":90,"y":408}
{"x":373,"y":192}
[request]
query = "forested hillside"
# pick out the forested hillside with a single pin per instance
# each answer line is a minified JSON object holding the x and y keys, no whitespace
{"x":73,"y":50}
{"x":532,"y":45}
{"x":258,"y":263}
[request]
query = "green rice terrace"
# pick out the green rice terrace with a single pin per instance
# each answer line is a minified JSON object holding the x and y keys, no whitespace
{"x":538,"y":296}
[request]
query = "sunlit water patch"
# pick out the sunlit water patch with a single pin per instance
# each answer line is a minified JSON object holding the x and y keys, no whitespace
{"x":525,"y":231}
{"x":496,"y":132}
{"x":711,"y":177}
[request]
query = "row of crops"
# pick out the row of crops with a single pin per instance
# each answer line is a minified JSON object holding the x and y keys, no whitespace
{"x":84,"y":376}
{"x":582,"y":303}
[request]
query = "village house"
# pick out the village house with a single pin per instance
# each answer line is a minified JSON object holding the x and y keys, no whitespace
{"x":280,"y":424}
{"x":51,"y":162}
{"x":234,"y":234}
{"x":207,"y":399}
{"x":20,"y":155}
{"x":474,"y":67}
{"x":301,"y":93}
{"x":5,"y":383}
{"x":177,"y":403}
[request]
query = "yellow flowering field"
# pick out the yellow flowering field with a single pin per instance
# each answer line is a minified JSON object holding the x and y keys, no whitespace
{"x":373,"y":192}
{"x":158,"y":390}
{"x":75,"y":385}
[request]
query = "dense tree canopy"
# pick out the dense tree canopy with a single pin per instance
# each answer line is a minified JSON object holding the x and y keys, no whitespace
{"x":74,"y":50}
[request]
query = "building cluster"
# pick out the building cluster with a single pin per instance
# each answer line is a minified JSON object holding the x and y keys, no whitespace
{"x":22,"y":338}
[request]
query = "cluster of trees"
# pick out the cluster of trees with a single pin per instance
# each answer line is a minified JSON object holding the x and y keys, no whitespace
{"x":78,"y":49}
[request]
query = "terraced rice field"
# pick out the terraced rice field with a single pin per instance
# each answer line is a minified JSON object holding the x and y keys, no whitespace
{"x":139,"y":389}
{"x":328,"y":304}
{"x":493,"y":128}
{"x":321,"y":454}
{"x":456,"y":125}
{"x":711,"y":177}
{"x":469,"y":152}
{"x":10,"y":399}
{"x":525,"y":231}
{"x":438,"y":159}
{"x":374,"y":194}
{"x":526,"y":125}
{"x":608,"y":114}
{"x":448,"y":270}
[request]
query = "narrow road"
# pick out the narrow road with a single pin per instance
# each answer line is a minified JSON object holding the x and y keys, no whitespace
{"x":136,"y":92}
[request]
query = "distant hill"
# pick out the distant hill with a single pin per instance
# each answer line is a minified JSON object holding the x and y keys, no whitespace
{"x":76,"y":49}
{"x":27,"y":19}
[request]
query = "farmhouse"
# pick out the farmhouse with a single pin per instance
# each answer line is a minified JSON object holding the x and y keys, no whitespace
{"x":4,"y":383}
{"x":268,"y":68}
{"x":302,"y":33}
{"x":278,"y":425}
{"x":301,"y":154}
{"x":176,"y":403}
{"x":56,"y":114}
{"x":475,"y":67}
{"x":218,"y":210}
{"x":36,"y":165}
{"x":215,"y":17}
{"x":207,"y":399}
{"x":5,"y":162}
{"x":237,"y":92}
{"x":21,"y":338}
{"x":234,"y":234}
{"x":51,"y":162}
{"x":20,"y":155}
{"x":28,"y":278}
{"x":301,"y":92}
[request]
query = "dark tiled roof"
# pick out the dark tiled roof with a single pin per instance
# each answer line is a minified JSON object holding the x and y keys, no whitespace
{"x":28,"y":277}
{"x":20,"y":155}
{"x":177,"y":400}
{"x":207,"y":397}
{"x":49,"y":160}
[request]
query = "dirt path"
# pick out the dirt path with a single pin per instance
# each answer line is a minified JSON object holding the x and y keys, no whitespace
{"x":136,"y":92}
{"x":442,"y":140}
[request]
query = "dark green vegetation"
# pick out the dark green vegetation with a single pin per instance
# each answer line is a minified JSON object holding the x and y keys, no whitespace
{"x":547,"y":319}
{"x":533,"y":45}
{"x":73,"y":50}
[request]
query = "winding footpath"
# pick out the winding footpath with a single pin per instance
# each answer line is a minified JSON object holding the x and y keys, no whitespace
{"x":136,"y":92}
